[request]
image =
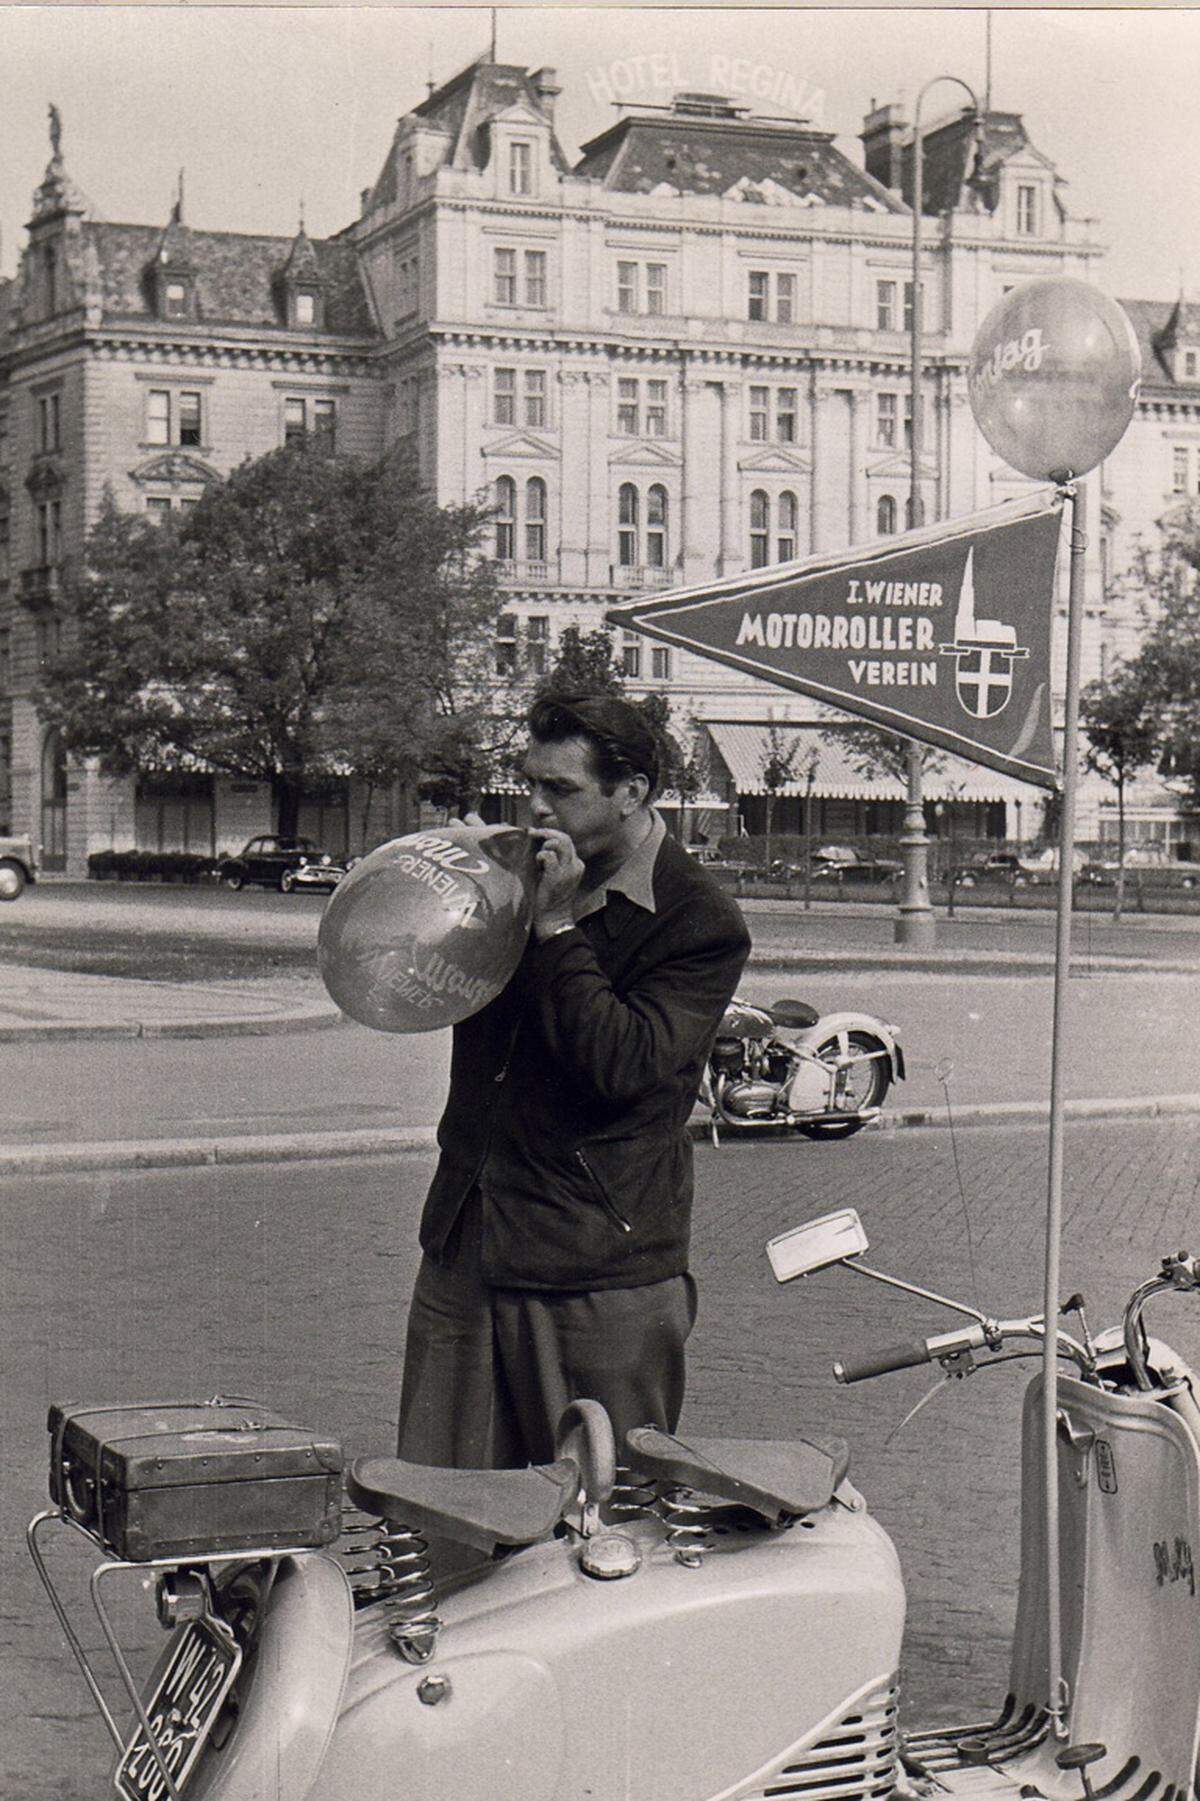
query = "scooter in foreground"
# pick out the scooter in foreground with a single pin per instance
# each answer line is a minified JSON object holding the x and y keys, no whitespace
{"x":717,"y":1621}
{"x":787,"y":1068}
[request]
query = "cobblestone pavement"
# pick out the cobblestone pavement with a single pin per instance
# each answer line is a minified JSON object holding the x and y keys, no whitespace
{"x":292,"y":1284}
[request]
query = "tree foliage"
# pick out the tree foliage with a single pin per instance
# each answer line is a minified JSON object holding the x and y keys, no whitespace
{"x":311,"y":615}
{"x":877,"y":754}
{"x":1166,"y":670}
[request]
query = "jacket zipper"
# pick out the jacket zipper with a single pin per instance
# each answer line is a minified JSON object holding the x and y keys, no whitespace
{"x":618,"y":1219}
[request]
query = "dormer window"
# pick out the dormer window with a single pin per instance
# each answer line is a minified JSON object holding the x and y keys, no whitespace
{"x":306,"y":307}
{"x":1027,"y":211}
{"x":520,"y":167}
{"x":1190,"y":365}
{"x":175,"y":300}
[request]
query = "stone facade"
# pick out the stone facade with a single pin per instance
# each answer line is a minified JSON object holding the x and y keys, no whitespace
{"x":681,"y":357}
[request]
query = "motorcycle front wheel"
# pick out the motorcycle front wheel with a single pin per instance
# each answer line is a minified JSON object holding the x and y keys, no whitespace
{"x":867,"y":1082}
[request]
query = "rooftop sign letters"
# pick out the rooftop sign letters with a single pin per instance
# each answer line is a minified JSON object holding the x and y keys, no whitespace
{"x":942,"y":634}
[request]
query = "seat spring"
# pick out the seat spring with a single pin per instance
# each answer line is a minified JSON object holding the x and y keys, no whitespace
{"x":687,"y":1523}
{"x":633,"y":1496}
{"x":406,"y":1581}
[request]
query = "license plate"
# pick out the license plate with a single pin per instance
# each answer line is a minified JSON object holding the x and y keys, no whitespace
{"x":182,"y":1709}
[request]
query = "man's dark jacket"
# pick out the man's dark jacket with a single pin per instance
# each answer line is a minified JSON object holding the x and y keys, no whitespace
{"x":570,"y":1093}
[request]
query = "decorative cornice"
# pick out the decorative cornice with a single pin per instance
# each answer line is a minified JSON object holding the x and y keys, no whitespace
{"x":113,"y":347}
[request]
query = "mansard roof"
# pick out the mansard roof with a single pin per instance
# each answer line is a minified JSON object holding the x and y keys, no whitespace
{"x":302,"y":262}
{"x":1161,"y":325}
{"x":464,"y":105}
{"x":962,"y":163}
{"x":762,"y":162}
{"x":234,"y":276}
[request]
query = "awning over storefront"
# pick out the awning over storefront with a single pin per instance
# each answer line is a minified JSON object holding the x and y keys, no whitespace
{"x":746,"y":747}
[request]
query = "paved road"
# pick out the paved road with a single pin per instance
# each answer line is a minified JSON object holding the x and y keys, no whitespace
{"x":292,"y":1284}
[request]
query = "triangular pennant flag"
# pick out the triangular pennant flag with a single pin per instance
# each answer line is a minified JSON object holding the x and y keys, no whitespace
{"x":942,"y":634}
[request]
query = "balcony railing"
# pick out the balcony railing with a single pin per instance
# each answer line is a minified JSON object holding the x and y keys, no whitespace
{"x":40,"y":587}
{"x":638,"y":575}
{"x":525,"y":575}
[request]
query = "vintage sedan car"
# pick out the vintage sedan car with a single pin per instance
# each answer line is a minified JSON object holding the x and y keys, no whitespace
{"x":17,"y":866}
{"x":993,"y":866}
{"x":839,"y":863}
{"x":289,"y":864}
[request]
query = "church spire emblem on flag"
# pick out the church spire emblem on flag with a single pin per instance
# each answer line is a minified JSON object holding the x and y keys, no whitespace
{"x":984,"y":649}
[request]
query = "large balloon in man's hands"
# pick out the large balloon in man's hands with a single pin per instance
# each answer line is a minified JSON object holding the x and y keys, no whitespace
{"x":1053,"y":377}
{"x":428,"y":929}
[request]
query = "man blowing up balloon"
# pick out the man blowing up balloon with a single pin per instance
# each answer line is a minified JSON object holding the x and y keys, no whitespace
{"x":555,"y":1233}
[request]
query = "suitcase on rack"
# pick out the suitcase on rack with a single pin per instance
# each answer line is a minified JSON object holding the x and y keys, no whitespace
{"x":186,"y":1478}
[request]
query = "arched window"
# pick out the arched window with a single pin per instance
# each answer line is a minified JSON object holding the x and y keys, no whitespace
{"x":885,"y":516}
{"x":656,"y":527}
{"x":506,"y":518}
{"x":760,"y":529}
{"x":627,"y":525}
{"x":535,"y":520}
{"x":786,"y":514}
{"x":909,"y":521}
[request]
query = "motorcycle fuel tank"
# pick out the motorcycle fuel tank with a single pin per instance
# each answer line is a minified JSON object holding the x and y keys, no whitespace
{"x":774,"y":1656}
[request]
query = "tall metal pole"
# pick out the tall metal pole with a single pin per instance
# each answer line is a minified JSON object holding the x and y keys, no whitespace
{"x":1056,"y":1698}
{"x":914,"y":924}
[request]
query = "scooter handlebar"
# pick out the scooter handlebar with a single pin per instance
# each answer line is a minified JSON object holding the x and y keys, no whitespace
{"x":878,"y":1363}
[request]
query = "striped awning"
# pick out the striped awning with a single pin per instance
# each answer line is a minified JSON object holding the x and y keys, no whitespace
{"x":744,"y":748}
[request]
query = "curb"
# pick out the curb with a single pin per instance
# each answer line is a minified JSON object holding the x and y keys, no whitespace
{"x":267,"y":1025}
{"x":307,"y":1147}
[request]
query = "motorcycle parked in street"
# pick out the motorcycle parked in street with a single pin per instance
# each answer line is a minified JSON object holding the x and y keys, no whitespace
{"x":785,"y":1068}
{"x":714,"y":1621}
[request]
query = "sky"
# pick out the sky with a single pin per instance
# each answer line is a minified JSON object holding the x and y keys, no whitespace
{"x":270,"y":109}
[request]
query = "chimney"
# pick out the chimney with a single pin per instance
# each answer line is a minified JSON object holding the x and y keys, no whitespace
{"x":883,"y":133}
{"x":365,"y":201}
{"x":546,"y":87}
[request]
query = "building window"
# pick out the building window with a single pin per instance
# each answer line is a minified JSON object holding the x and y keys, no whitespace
{"x":504,"y":397}
{"x":627,"y":406}
{"x":885,"y":516}
{"x":535,"y":278}
{"x":631,"y":655}
{"x":785,"y":415}
{"x":175,"y":300}
{"x":885,"y":421}
{"x":49,"y":530}
{"x":760,"y":529}
{"x":656,"y":527}
{"x":5,"y":660}
{"x":505,"y":267}
{"x":772,"y":296}
{"x":520,"y":167}
{"x":535,"y":520}
{"x":1179,"y":469}
{"x":408,"y":405}
{"x":656,"y":409}
{"x":302,"y":417}
{"x":535,"y":397}
{"x":189,"y":419}
{"x":1026,"y":212}
{"x":660,"y":663}
{"x":635,"y":280}
{"x":785,"y":519}
{"x":48,"y":639}
{"x":506,"y":518}
{"x":537,"y":643}
{"x":306,"y":307}
{"x":49,"y":421}
{"x":627,"y":525}
{"x":175,"y":418}
{"x":506,"y":644}
{"x":1191,"y":365}
{"x":885,"y":306}
{"x":158,"y":416}
{"x":49,"y":266}
{"x":909,"y":520}
{"x":630,"y":414}
{"x":157,"y":507}
{"x":406,"y":280}
{"x":758,"y":415}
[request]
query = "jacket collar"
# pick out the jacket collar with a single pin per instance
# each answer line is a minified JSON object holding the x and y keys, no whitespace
{"x":634,"y":878}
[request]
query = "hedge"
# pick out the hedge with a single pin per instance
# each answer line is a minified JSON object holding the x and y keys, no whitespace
{"x":150,"y":866}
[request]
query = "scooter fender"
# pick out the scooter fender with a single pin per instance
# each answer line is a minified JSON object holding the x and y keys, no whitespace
{"x":290,"y":1689}
{"x":832,"y":1023}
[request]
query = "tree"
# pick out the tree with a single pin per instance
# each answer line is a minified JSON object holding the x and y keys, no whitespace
{"x":877,"y":754}
{"x":1167,"y":668}
{"x":312,"y":615}
{"x":778,"y":763}
{"x":1122,"y":737}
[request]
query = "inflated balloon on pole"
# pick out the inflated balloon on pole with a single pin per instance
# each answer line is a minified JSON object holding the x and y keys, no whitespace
{"x":1053,"y":377}
{"x":428,"y":929}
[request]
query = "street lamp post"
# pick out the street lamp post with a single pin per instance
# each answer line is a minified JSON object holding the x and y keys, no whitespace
{"x":914,"y":923}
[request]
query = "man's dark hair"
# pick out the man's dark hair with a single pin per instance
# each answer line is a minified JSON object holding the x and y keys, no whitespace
{"x":621,"y":739}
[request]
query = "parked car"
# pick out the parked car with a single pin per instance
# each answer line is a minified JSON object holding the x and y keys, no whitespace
{"x":992,"y":866}
{"x":837,"y":863}
{"x":289,"y":864}
{"x":1142,"y":871}
{"x":17,"y":866}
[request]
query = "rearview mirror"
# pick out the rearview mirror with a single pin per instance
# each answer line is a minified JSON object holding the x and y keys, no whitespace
{"x":817,"y":1244}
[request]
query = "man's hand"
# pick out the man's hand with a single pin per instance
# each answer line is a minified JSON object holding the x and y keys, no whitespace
{"x":560,"y":872}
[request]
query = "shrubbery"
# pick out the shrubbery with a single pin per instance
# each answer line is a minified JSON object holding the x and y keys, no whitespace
{"x":150,"y":866}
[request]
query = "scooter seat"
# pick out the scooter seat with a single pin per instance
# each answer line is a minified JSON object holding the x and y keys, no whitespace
{"x":481,"y":1508}
{"x":773,"y":1479}
{"x":793,"y":1013}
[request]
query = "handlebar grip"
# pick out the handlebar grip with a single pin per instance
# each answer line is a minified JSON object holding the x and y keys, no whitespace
{"x":878,"y":1363}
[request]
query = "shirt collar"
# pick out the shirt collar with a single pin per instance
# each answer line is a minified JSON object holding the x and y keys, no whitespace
{"x":634,"y":878}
